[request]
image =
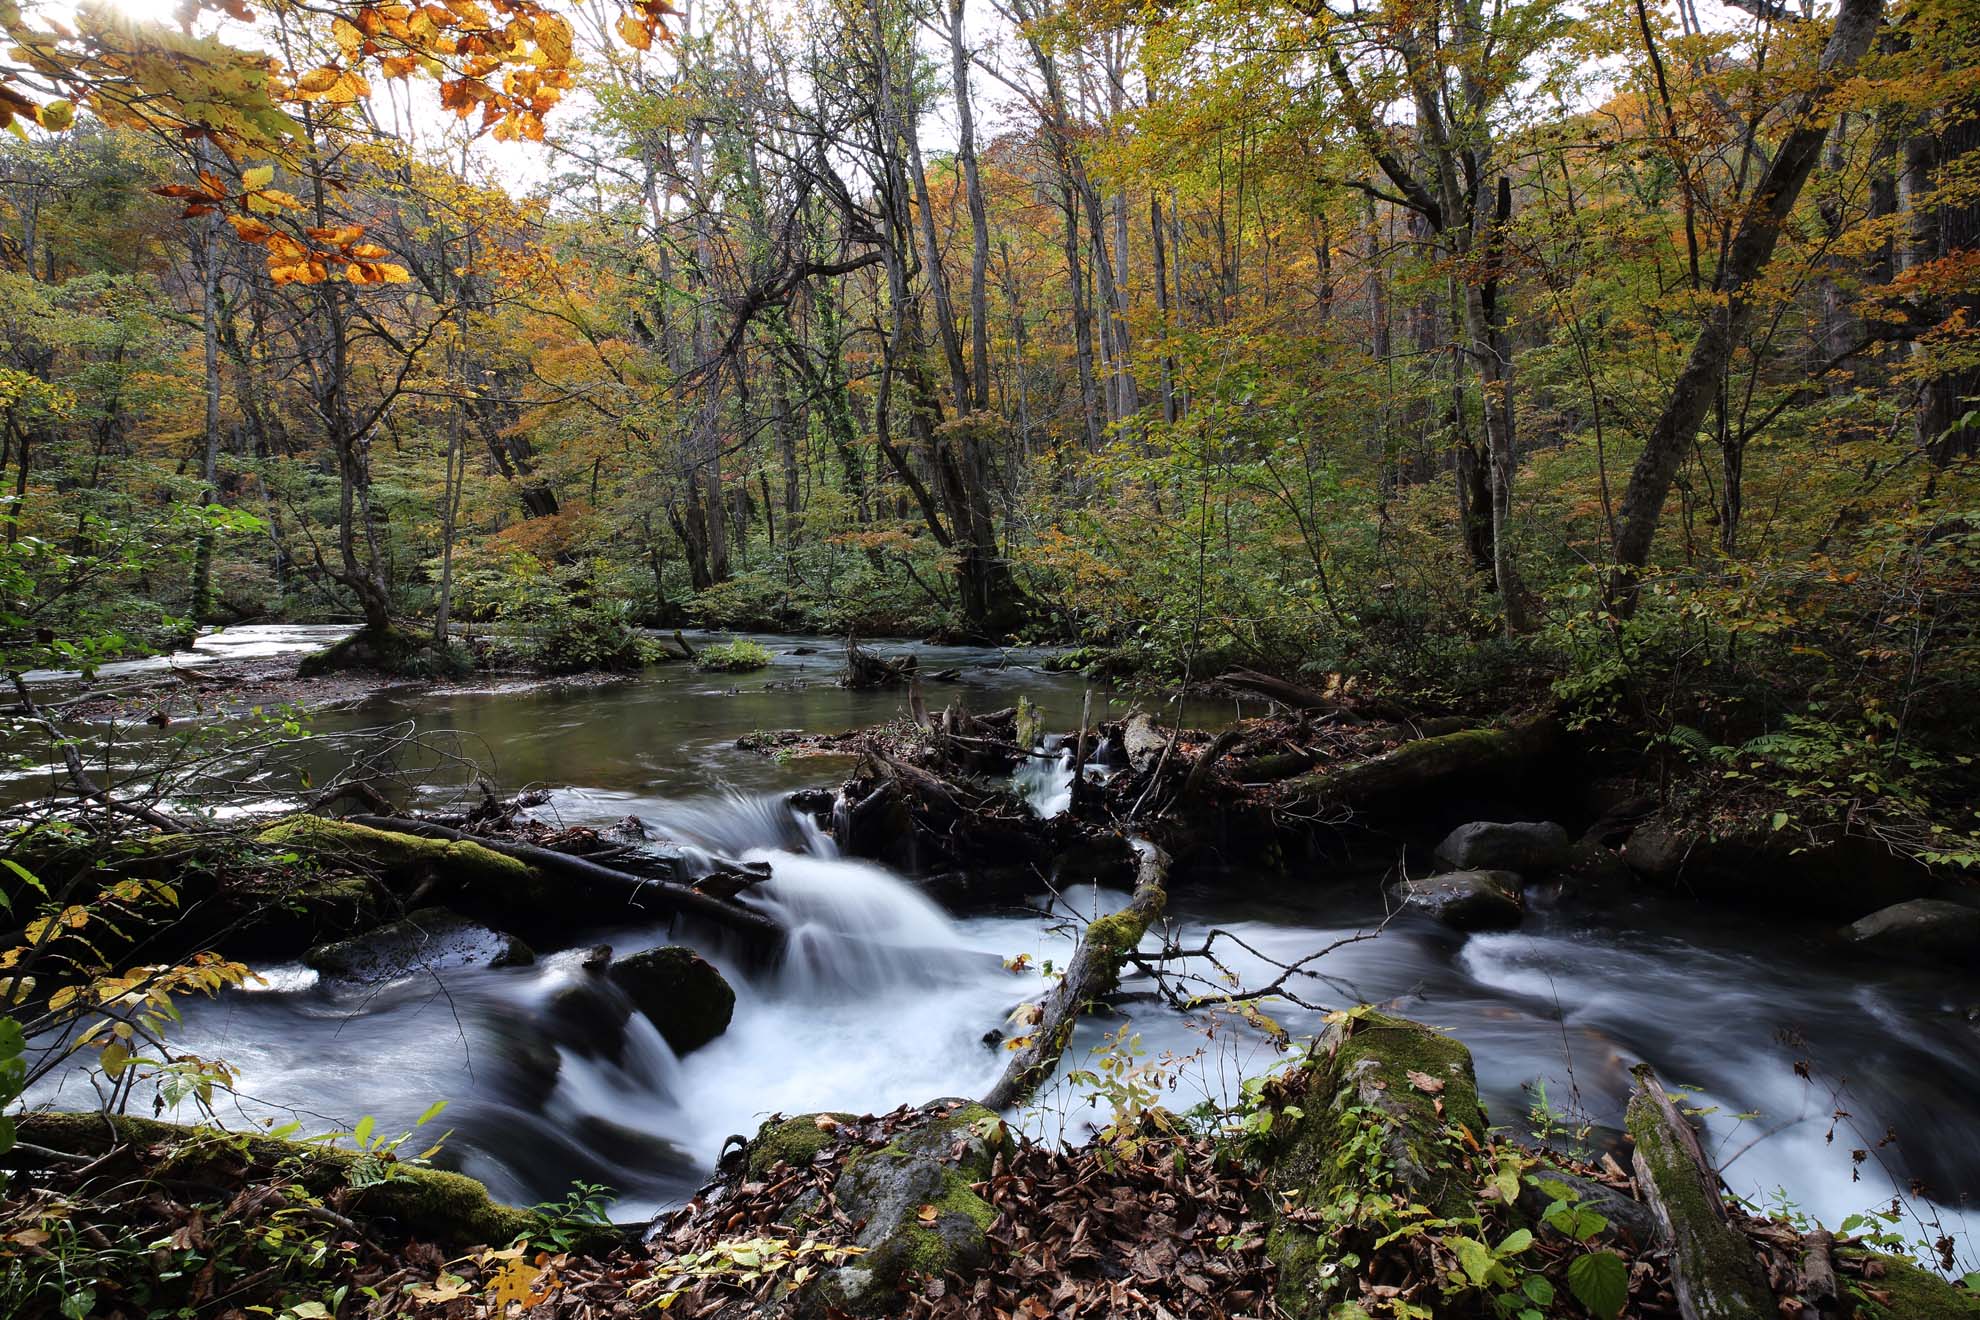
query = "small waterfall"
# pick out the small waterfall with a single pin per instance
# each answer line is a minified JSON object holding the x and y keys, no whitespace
{"x":1046,"y":781}
{"x":853,"y":925}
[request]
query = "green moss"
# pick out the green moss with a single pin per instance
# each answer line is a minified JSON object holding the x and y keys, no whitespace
{"x":931,"y":1250}
{"x":793,"y":1141}
{"x":1906,"y":1292}
{"x":429,"y":1204}
{"x":1716,"y":1264}
{"x":1365,"y":1129}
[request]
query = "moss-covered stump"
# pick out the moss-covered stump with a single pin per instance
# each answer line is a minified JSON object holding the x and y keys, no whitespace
{"x":425,"y":1204}
{"x":1713,"y":1269}
{"x":914,"y":1198}
{"x":1886,"y":1288}
{"x":1384,"y":1108}
{"x":680,"y":991}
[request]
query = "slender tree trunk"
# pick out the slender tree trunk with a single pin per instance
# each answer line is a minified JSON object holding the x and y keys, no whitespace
{"x":1752,"y":247}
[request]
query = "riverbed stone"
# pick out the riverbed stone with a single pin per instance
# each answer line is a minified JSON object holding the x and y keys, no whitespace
{"x":682,"y":992}
{"x":428,"y":940}
{"x":1531,"y":847}
{"x":1464,"y":900}
{"x":1929,"y":926}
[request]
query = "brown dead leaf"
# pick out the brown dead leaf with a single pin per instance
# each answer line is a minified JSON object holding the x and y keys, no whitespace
{"x":1425,"y":1083}
{"x":926,"y":1214}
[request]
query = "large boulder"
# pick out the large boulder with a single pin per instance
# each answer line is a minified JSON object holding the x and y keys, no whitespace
{"x":1377,"y":1091}
{"x":428,"y":940}
{"x":1464,"y":900}
{"x":1530,"y":847}
{"x":1835,"y":875}
{"x":682,"y":992}
{"x":1929,"y":926}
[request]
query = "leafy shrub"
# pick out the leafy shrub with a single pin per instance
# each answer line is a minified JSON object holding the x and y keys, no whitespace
{"x":557,"y":621}
{"x":733,"y":658}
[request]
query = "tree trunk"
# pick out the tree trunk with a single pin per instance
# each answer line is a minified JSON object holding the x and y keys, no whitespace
{"x":1746,"y":258}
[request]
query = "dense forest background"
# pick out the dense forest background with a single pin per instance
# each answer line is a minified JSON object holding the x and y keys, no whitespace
{"x":1624,"y":356}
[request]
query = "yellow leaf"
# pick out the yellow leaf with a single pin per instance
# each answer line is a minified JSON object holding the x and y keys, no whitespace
{"x":927,"y":1214}
{"x":349,"y":39}
{"x":257,"y":178}
{"x":634,"y":33}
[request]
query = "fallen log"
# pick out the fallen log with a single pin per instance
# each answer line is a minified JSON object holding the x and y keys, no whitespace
{"x":1092,"y":973}
{"x":1714,"y":1272}
{"x":1425,"y":761}
{"x":639,"y":890}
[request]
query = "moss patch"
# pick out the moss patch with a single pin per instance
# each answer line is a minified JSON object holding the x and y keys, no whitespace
{"x":429,"y":1204}
{"x":1905,"y":1292}
{"x":1714,"y":1266}
{"x":793,"y":1141}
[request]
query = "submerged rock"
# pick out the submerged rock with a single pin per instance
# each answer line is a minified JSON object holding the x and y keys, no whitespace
{"x":1930,"y":926}
{"x":1465,"y":900}
{"x":687,"y":999}
{"x":1530,"y":847}
{"x":429,"y":940}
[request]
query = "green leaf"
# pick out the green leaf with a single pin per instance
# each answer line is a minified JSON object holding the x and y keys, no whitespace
{"x":432,"y":1112}
{"x":363,"y":1130}
{"x":1600,"y":1282}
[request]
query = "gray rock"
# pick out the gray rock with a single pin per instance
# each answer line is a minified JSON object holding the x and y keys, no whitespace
{"x":1930,"y":926}
{"x":1465,"y":900}
{"x":1531,"y":847}
{"x":687,"y":999}
{"x":431,"y":939}
{"x":1631,"y":1221}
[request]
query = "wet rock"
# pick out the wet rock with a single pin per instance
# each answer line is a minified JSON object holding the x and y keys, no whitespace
{"x":687,"y":999}
{"x":1530,"y":847}
{"x":1464,"y":900}
{"x":588,"y":1015}
{"x":1836,"y":876}
{"x":1929,"y":926}
{"x":1417,"y":1088}
{"x":429,"y":940}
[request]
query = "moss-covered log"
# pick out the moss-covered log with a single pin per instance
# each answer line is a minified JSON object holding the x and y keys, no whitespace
{"x":1092,"y":973}
{"x":544,"y":867}
{"x":426,"y":1204}
{"x":1426,"y":761}
{"x":1714,"y":1271}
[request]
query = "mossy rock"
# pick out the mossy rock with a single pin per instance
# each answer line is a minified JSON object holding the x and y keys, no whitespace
{"x":1362,"y":1117}
{"x":680,"y":991}
{"x":933,"y":1162}
{"x":488,"y":885}
{"x":431,"y":1205}
{"x":1901,"y":1290}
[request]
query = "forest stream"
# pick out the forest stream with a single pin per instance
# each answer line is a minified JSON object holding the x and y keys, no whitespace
{"x":883,"y":997}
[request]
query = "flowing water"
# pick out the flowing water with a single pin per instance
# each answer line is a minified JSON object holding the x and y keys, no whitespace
{"x":882,"y":997}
